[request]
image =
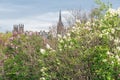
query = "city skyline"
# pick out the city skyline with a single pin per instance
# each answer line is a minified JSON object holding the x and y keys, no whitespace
{"x":38,"y":15}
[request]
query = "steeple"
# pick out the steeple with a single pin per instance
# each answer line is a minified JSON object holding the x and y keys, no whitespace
{"x":60,"y":16}
{"x":60,"y":26}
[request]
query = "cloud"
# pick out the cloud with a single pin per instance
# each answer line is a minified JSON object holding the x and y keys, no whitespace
{"x":10,"y":11}
{"x":30,"y":24}
{"x":33,"y":23}
{"x":6,"y":10}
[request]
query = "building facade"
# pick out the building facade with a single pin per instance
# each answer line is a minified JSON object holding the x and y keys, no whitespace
{"x":60,"y":26}
{"x":18,"y":28}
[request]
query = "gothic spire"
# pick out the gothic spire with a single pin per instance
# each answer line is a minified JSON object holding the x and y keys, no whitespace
{"x":60,"y":16}
{"x":60,"y":26}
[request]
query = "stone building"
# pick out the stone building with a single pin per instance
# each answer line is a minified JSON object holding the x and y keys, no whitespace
{"x":15,"y":28}
{"x":60,"y":26}
{"x":21,"y":28}
{"x":18,"y":28}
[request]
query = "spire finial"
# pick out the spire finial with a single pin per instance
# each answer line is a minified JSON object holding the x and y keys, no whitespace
{"x":60,"y":16}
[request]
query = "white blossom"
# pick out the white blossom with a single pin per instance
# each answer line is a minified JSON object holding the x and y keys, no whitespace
{"x":88,"y":28}
{"x":117,"y":57}
{"x":73,"y":27}
{"x":78,"y":21}
{"x":71,"y":43}
{"x":53,"y":50}
{"x":117,"y":40}
{"x":87,"y":23}
{"x":109,"y":53}
{"x":42,"y":78}
{"x":104,"y":60}
{"x":64,"y":37}
{"x":100,"y":35}
{"x":112,"y":62}
{"x":118,"y":10}
{"x":60,"y":49}
{"x":112,"y":30}
{"x":42,"y":51}
{"x":111,"y":37}
{"x":16,"y":47}
{"x":68,"y":34}
{"x":59,"y":36}
{"x":43,"y":69}
{"x":73,"y":30}
{"x":69,"y":47}
{"x":118,"y":48}
{"x":117,"y":28}
{"x":65,"y":45}
{"x":48,"y":46}
{"x":61,"y":41}
{"x":112,"y":12}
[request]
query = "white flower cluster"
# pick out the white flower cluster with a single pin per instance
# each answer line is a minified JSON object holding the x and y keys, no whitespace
{"x":76,"y":29}
{"x":118,"y":48}
{"x":108,"y":32}
{"x":59,"y":36}
{"x":112,"y":30}
{"x":116,"y":40}
{"x":65,"y":41}
{"x":43,"y":69}
{"x":42,"y":78}
{"x":104,"y":32}
{"x":78,"y":21}
{"x":118,"y":58}
{"x":113,"y":12}
{"x":111,"y":55}
{"x":42,"y":51}
{"x":104,"y":60}
{"x":49,"y":47}
{"x":87,"y":23}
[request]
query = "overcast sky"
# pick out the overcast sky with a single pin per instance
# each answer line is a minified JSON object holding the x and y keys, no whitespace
{"x":38,"y":15}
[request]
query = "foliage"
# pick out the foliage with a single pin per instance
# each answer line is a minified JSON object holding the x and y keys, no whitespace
{"x":23,"y":54}
{"x":89,"y":51}
{"x":100,"y":11}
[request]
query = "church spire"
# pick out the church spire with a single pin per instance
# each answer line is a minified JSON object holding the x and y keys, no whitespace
{"x":60,"y":26}
{"x":60,"y":16}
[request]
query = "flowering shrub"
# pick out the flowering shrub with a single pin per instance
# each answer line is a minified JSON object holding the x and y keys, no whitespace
{"x":23,"y":55}
{"x":89,"y":51}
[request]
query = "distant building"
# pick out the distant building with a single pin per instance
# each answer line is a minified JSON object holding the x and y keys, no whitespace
{"x":15,"y":28}
{"x":18,"y":28}
{"x":44,"y":34}
{"x":60,"y":26}
{"x":21,"y":28}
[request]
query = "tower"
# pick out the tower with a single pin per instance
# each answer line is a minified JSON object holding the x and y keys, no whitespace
{"x":18,"y":28}
{"x":21,"y":28}
{"x":60,"y":26}
{"x":15,"y":28}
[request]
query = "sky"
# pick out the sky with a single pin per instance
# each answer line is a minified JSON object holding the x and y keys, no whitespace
{"x":39,"y":15}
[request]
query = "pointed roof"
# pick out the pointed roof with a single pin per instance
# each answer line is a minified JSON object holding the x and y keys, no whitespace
{"x":60,"y":16}
{"x":60,"y":24}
